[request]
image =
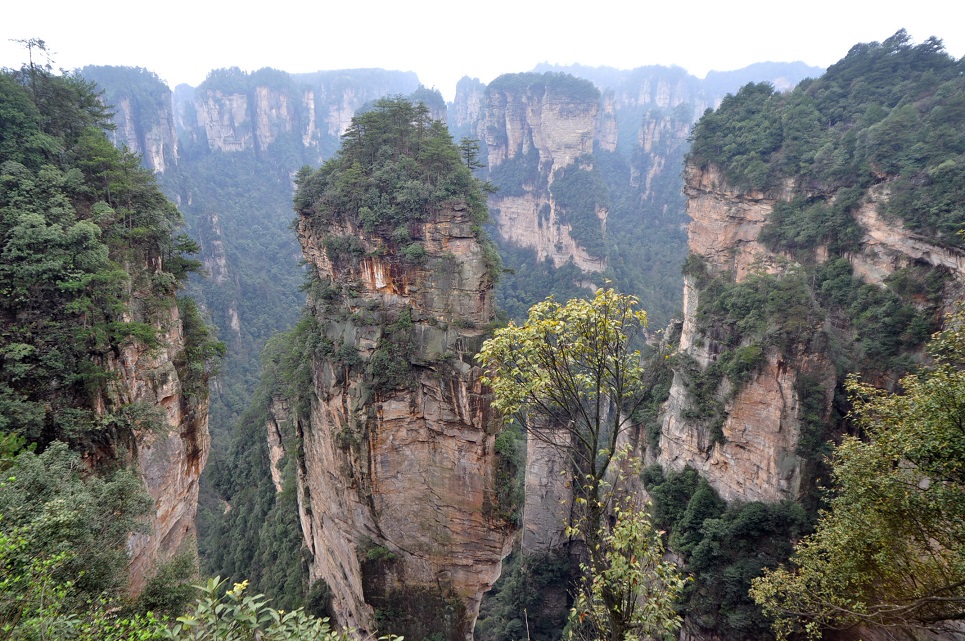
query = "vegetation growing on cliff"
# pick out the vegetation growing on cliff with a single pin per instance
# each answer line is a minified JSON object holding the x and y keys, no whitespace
{"x":269,"y":555}
{"x":580,"y":193}
{"x":890,"y":111}
{"x":90,"y":260}
{"x":889,"y":550}
{"x":877,"y":127}
{"x":723,"y":548}
{"x":395,"y":166}
{"x":558,"y":83}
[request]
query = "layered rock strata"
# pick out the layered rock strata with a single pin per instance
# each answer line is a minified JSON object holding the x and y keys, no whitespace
{"x":757,"y":459}
{"x":396,"y":490}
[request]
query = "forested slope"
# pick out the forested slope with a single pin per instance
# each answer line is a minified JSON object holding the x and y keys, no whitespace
{"x":103,"y":389}
{"x":824,"y":241}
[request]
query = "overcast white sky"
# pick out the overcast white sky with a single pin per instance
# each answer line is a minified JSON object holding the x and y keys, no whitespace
{"x":181,"y":40}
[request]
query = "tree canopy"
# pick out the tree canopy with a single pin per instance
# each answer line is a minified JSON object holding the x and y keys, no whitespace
{"x":887,"y":111}
{"x":571,"y":376}
{"x":88,"y":252}
{"x":395,"y":166}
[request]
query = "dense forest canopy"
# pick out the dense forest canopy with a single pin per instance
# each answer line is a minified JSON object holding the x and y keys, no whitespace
{"x":86,"y":235}
{"x":890,"y":111}
{"x":395,"y":166}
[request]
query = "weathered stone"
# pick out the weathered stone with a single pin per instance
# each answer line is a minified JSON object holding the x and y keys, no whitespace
{"x":172,"y":455}
{"x":396,"y":494}
{"x":560,"y":129}
{"x":757,"y":460}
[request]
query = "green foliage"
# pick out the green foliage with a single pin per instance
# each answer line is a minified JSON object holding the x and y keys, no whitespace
{"x":888,"y":551}
{"x":231,"y":615}
{"x":530,"y":600}
{"x":169,"y":590}
{"x":567,"y":363}
{"x":510,"y":466}
{"x":202,"y":351}
{"x":580,"y":193}
{"x":888,"y":323}
{"x":78,"y":220}
{"x":390,"y":365}
{"x":82,"y":521}
{"x":518,"y":174}
{"x":240,"y":202}
{"x":805,"y":223}
{"x":632,"y":591}
{"x":369,"y":550}
{"x":561,"y":85}
{"x":887,"y":111}
{"x":38,"y":602}
{"x":646,"y":233}
{"x":570,"y":376}
{"x":147,"y":95}
{"x":723,"y":547}
{"x":396,"y":165}
{"x":762,"y":309}
{"x":527,"y":280}
{"x":740,"y":136}
{"x":270,"y":553}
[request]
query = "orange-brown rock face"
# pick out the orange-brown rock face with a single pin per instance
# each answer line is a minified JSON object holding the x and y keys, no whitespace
{"x":396,"y":491}
{"x":171,"y":456}
{"x":761,"y":429}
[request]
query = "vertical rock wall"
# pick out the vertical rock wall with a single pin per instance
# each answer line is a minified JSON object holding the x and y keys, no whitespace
{"x":171,"y":454}
{"x":396,"y":490}
{"x":757,"y":459}
{"x":558,"y":128}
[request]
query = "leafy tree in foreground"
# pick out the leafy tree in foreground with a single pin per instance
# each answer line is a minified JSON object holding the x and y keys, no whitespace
{"x":890,"y":550}
{"x":630,"y":591}
{"x":570,"y":375}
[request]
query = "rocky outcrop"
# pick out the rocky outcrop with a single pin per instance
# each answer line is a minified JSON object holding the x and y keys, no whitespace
{"x":309,"y":111}
{"x":756,"y":459}
{"x":535,"y":126}
{"x":548,"y":489}
{"x":226,"y":121}
{"x":153,"y":135}
{"x":171,"y":451}
{"x":396,"y":493}
{"x":278,"y":415}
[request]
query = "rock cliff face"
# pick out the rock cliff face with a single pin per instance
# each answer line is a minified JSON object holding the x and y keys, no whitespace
{"x":143,"y":113}
{"x":757,"y":459}
{"x":170,"y":457}
{"x":153,"y":136}
{"x":236,"y":111}
{"x":396,"y":493}
{"x":533,"y":130}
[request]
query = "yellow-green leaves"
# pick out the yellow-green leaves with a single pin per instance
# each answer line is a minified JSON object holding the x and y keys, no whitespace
{"x":565,"y":358}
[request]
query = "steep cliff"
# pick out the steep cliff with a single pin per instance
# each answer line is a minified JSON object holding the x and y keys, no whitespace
{"x":98,"y":351}
{"x":233,"y":111}
{"x":143,"y":113}
{"x":536,"y":127}
{"x":397,"y":497}
{"x":850,"y":230}
{"x":811,"y":256}
{"x":171,"y":453}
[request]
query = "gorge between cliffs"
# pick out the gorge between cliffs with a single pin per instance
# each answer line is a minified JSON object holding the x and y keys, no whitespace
{"x":794,"y":235}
